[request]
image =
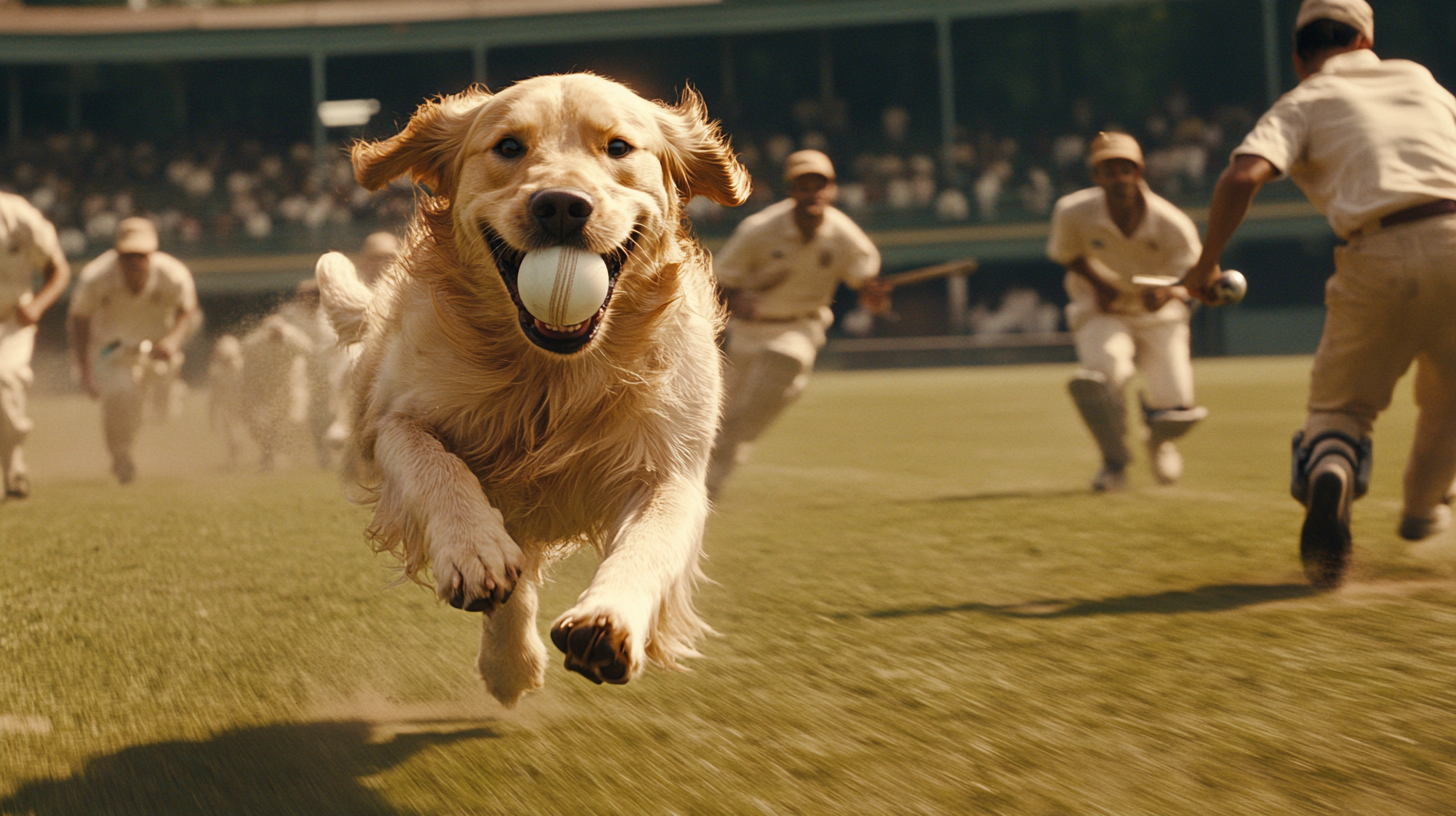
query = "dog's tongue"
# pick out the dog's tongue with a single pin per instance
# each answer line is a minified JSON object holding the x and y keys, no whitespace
{"x":571,"y":333}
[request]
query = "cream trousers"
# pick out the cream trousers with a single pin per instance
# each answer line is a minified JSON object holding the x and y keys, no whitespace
{"x":1391,"y":301}
{"x":126,"y":383}
{"x":768,"y":368}
{"x":16,"y":346}
{"x":1116,"y":346}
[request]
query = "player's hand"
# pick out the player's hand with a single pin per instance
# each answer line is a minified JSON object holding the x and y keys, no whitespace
{"x":164,"y":349}
{"x":27,"y":314}
{"x":1106,"y":296}
{"x":1198,"y":282}
{"x":740,"y":304}
{"x":874,"y":296}
{"x":1157,"y":297}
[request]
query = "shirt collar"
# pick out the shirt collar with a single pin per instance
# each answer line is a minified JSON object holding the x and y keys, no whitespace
{"x":1361,"y":59}
{"x":1106,"y":212}
{"x":789,"y":231}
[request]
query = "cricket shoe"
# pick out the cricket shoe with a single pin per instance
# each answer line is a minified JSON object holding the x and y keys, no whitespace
{"x":17,"y":486}
{"x":124,"y":469}
{"x":1415,"y":528}
{"x":1110,"y":480}
{"x":1324,"y":541}
{"x":1166,"y":461}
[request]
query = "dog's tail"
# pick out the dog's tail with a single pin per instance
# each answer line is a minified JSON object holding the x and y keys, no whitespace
{"x":345,"y":298}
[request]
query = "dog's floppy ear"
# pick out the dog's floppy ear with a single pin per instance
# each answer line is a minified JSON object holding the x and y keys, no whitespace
{"x":426,"y":149}
{"x":697,"y":156}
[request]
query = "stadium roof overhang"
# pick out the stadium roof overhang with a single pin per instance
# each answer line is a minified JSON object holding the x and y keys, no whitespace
{"x":342,"y":27}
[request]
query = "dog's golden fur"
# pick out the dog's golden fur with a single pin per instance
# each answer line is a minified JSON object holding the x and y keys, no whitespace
{"x":486,"y":455}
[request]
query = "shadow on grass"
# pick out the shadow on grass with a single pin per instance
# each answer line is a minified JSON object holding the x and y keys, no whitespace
{"x":1204,"y":599}
{"x":305,"y":768}
{"x":999,"y":495}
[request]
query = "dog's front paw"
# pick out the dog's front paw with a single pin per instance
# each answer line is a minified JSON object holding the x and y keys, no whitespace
{"x":597,"y":646}
{"x":478,"y":578}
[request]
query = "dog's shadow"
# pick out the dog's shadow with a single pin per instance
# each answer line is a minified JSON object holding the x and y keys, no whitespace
{"x":313,"y":768}
{"x":1214,"y":598}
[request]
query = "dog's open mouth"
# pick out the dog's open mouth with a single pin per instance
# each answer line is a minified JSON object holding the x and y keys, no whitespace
{"x":557,"y":339}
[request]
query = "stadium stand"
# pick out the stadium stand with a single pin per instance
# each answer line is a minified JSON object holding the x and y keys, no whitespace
{"x":956,"y":123}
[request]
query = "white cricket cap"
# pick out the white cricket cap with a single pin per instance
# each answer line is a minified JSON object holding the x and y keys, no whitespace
{"x":381,"y":244}
{"x":1114,"y":145}
{"x":1356,"y":14}
{"x":136,"y":235}
{"x":803,"y":162}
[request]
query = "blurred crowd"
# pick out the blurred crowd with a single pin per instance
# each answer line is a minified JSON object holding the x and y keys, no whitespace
{"x":238,"y":191}
{"x":211,"y":192}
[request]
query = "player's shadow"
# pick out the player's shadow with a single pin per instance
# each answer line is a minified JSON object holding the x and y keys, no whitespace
{"x":313,"y":768}
{"x":999,"y":495}
{"x":1216,"y":598}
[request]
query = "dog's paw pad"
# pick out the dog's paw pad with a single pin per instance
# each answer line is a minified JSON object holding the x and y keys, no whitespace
{"x":485,"y":595}
{"x":595,"y":649}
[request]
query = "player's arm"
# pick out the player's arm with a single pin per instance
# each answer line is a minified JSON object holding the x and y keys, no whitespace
{"x":57,"y":278}
{"x":171,"y":342}
{"x":188,"y":315}
{"x":1106,"y":292}
{"x":731,"y":265}
{"x":1232,"y":196}
{"x":863,"y":273}
{"x":1066,"y":245}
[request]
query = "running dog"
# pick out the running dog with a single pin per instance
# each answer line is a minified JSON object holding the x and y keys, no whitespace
{"x":489,"y":443}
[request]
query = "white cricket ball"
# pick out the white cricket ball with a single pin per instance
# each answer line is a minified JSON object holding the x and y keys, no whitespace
{"x":1230,"y":287}
{"x":562,"y":286}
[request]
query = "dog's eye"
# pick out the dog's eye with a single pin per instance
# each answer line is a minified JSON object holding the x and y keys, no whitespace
{"x":509,"y":148}
{"x":618,"y":148}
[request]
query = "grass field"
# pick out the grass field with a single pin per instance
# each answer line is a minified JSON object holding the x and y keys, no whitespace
{"x":922,"y":611}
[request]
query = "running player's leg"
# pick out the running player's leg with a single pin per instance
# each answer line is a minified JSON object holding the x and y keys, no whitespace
{"x":1105,"y":351}
{"x":123,"y":401}
{"x":15,"y":378}
{"x":1168,"y":407}
{"x":768,"y":367}
{"x":1365,"y":348}
{"x":1432,"y":464}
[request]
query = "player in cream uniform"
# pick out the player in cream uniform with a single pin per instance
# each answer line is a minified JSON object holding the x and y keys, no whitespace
{"x":378,"y":253}
{"x":1106,"y":235}
{"x":28,"y":245}
{"x":132,"y":310}
{"x":1372,"y":143}
{"x":779,"y":272}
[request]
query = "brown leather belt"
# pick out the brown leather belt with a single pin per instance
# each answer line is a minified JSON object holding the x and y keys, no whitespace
{"x":1430,"y":209}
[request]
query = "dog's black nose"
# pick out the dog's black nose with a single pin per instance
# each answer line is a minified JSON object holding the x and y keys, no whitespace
{"x":560,"y":210}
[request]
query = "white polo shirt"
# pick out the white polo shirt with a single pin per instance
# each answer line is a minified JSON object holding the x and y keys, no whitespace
{"x":1363,"y":138}
{"x":118,"y":315}
{"x":1164,"y":243}
{"x":27,"y":242}
{"x":791,"y":277}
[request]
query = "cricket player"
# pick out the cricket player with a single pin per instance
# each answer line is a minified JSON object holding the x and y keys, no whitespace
{"x":327,"y":364}
{"x":379,"y":251}
{"x":130,"y":315}
{"x":1372,"y":143}
{"x":1105,"y":236}
{"x":28,"y":245}
{"x":779,"y":272}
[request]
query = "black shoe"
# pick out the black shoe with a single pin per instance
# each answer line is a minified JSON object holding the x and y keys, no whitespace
{"x":1324,"y":543}
{"x":124,"y":469}
{"x":19,"y":487}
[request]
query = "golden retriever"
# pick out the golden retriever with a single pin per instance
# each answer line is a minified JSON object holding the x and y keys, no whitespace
{"x":490,"y":443}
